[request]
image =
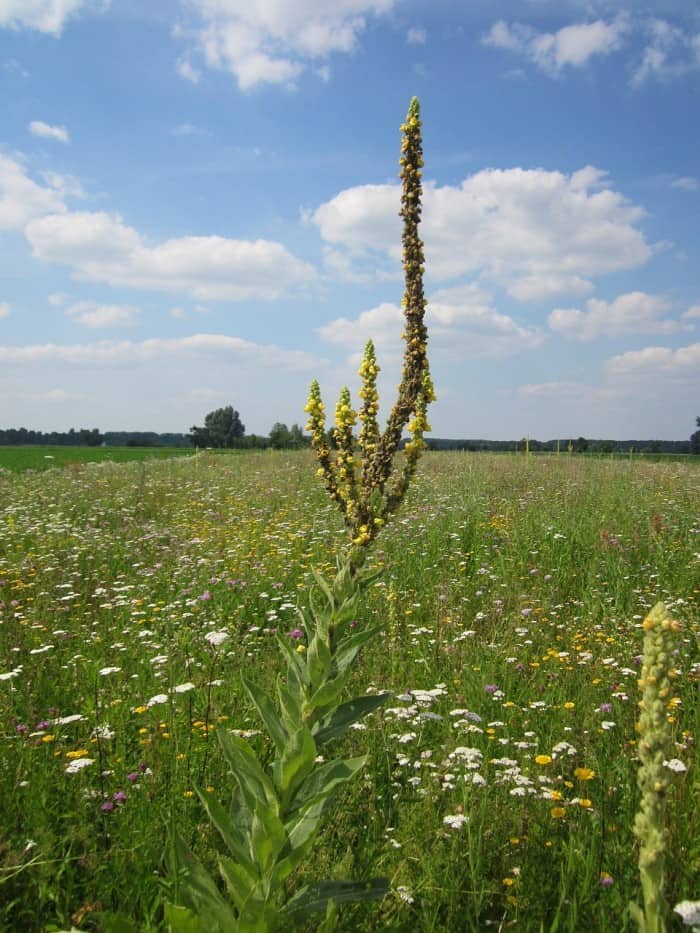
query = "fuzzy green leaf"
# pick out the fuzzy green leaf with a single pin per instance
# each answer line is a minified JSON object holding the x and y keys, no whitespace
{"x":119,"y":923}
{"x":198,"y":890}
{"x":325,"y":589}
{"x":337,"y":722}
{"x":296,"y":763}
{"x":319,"y":661}
{"x":229,"y":831}
{"x":295,"y":664}
{"x":328,"y":694}
{"x":177,"y":920}
{"x":347,"y":649}
{"x":255,"y":785}
{"x":268,"y":714}
{"x":238,"y":884}
{"x":314,"y":898}
{"x":290,"y":706}
{"x":326,"y":780}
{"x":267,"y":838}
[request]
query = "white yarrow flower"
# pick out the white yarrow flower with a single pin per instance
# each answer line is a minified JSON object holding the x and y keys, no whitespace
{"x":455,"y":820}
{"x":183,"y":688}
{"x":689,"y":912}
{"x":216,"y":638}
{"x":677,"y":766}
{"x":78,"y":764}
{"x":157,"y":699}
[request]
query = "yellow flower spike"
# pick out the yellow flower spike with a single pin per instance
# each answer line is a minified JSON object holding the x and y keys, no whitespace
{"x":655,"y":746}
{"x":367,"y":488}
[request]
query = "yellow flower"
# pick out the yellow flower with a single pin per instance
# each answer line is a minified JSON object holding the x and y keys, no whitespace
{"x":543,"y":759}
{"x":584,"y":774}
{"x":557,"y":813}
{"x":78,"y":753}
{"x":585,"y":803}
{"x":48,"y":738}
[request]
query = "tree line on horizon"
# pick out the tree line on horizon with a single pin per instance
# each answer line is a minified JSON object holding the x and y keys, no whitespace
{"x":224,"y":429}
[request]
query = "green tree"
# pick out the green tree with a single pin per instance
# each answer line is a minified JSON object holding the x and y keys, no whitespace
{"x":695,"y":439}
{"x":282,"y":437}
{"x":279,"y":436}
{"x":222,"y":428}
{"x":296,"y":437}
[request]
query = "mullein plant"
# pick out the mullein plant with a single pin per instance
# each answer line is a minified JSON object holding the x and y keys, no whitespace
{"x":275,"y":811}
{"x":654,"y":777}
{"x":360,"y":474}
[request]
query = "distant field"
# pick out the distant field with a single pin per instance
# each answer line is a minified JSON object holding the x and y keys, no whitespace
{"x":43,"y":458}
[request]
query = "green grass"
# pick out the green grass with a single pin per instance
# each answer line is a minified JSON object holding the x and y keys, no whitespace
{"x":512,"y":595}
{"x":36,"y":457}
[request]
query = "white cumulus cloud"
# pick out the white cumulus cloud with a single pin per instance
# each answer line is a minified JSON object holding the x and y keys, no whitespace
{"x":669,"y":53}
{"x":186,"y":70}
{"x":538,"y":233}
{"x":571,"y":46}
{"x":4,"y":309}
{"x":48,"y":16}
{"x":96,"y":315}
{"x":47,"y":131}
{"x":100,"y":247}
{"x":127,"y":351}
{"x":657,"y":362}
{"x":686,"y":183}
{"x":272,"y":42}
{"x":633,"y":313}
{"x":461,"y":322}
{"x":21,"y":198}
{"x":416,"y":36}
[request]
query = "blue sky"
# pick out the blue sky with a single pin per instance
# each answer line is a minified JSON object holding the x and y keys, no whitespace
{"x":199,"y":207}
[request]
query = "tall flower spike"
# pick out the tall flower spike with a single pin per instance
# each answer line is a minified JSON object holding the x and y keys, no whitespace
{"x":345,"y":418}
{"x":655,"y":744}
{"x":369,"y":495}
{"x":319,"y":441}
{"x":369,"y":432}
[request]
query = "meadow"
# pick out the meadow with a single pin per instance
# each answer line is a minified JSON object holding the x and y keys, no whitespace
{"x":500,"y":789}
{"x":19,"y":458}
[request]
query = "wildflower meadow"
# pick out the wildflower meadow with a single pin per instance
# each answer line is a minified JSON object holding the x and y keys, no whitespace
{"x":500,"y":785}
{"x":448,"y":696}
